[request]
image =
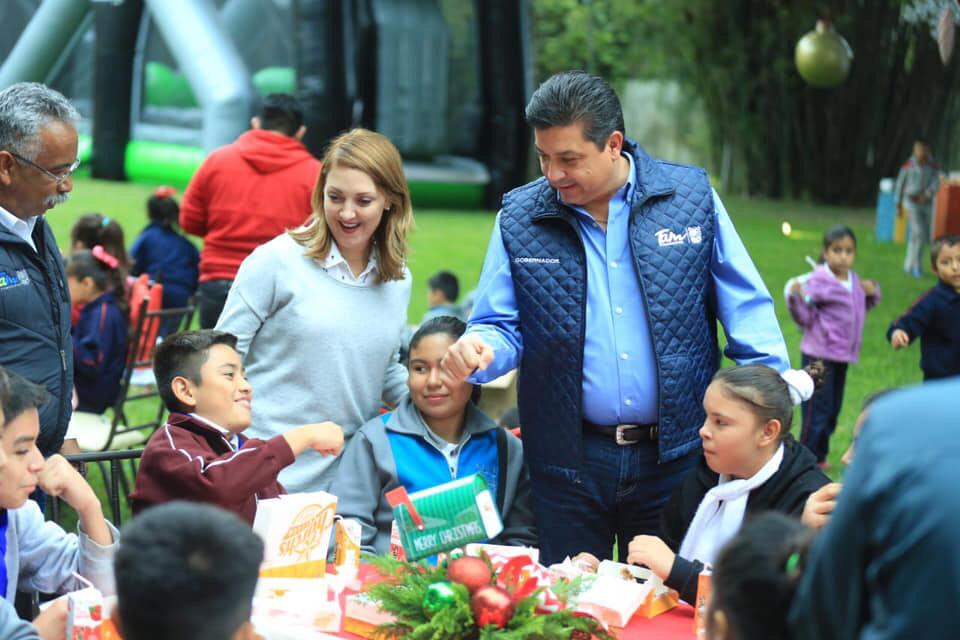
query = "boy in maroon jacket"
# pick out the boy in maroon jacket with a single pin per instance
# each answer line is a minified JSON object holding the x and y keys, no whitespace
{"x":199,"y":455}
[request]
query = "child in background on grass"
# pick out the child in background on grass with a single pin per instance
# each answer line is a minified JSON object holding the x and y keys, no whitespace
{"x":100,"y":333}
{"x":186,"y":572}
{"x":754,"y":579}
{"x":199,"y":455}
{"x":935,"y":316}
{"x":436,"y":434}
{"x":90,"y":230}
{"x":39,"y":555}
{"x":830,"y":310}
{"x":443,"y":289}
{"x":161,"y":251}
{"x":750,"y":464}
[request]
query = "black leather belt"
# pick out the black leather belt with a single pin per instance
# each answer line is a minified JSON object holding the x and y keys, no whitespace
{"x":625,"y":434}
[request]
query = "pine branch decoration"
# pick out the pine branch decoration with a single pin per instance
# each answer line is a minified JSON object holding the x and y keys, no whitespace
{"x":402,"y":592}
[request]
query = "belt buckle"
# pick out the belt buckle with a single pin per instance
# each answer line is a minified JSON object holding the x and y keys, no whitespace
{"x":619,"y":434}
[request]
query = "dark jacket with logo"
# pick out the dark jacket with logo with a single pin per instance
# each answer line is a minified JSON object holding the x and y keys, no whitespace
{"x":551,"y":300}
{"x":35,"y":324}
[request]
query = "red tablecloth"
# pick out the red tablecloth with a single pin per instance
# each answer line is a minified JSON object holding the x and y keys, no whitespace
{"x":676,"y":624}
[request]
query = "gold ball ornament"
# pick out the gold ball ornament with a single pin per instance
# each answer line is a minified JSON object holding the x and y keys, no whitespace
{"x":823,"y":57}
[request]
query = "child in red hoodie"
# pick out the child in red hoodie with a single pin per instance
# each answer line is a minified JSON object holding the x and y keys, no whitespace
{"x":199,"y":455}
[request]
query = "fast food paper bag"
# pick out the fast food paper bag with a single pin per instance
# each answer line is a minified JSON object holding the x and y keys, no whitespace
{"x":295,"y":529}
{"x":657,"y":598}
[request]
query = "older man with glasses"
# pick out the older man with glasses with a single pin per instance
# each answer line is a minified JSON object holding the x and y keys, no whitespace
{"x":38,"y":155}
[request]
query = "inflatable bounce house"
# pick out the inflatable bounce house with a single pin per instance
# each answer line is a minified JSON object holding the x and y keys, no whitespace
{"x":161,"y":83}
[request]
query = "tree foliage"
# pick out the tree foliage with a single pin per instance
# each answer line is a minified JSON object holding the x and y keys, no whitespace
{"x":736,"y":57}
{"x":608,"y":37}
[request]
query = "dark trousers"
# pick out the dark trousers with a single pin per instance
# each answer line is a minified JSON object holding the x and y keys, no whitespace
{"x":211,"y":296}
{"x":821,"y":411}
{"x":618,"y":494}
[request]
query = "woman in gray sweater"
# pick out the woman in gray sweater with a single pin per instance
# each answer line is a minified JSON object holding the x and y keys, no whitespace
{"x":436,"y":435}
{"x":319,"y":312}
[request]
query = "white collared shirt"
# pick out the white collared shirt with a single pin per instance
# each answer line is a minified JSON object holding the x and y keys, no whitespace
{"x":23,"y":229}
{"x":336,"y":265}
{"x":449,"y":450}
{"x":232,"y":439}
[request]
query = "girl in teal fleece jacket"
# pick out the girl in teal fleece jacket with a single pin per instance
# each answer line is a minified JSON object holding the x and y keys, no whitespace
{"x":435,"y":435}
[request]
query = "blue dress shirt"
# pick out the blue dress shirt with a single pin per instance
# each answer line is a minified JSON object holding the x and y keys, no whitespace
{"x":619,"y":364}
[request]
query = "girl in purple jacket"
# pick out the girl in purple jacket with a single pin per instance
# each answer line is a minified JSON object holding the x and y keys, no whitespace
{"x":830,"y":308}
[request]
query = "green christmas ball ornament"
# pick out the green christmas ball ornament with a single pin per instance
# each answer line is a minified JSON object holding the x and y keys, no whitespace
{"x":439,"y":595}
{"x":823,"y":57}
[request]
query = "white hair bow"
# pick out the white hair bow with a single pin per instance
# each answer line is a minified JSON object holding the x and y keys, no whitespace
{"x":800,"y":384}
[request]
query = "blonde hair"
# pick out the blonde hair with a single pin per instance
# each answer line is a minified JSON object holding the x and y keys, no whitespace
{"x":373,"y":154}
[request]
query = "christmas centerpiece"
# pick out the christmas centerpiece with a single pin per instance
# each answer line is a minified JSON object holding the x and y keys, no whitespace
{"x":469,"y":598}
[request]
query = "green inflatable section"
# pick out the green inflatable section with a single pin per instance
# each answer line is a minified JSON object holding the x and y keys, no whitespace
{"x":84,"y":148}
{"x":161,"y":162}
{"x":275,"y":80}
{"x":151,"y":162}
{"x":164,"y":87}
{"x":442,"y":195}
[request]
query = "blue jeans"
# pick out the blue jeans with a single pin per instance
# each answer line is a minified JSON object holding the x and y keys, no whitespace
{"x":821,"y":411}
{"x":618,"y":494}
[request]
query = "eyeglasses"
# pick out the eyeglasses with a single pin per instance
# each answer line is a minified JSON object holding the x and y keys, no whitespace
{"x":59,"y":178}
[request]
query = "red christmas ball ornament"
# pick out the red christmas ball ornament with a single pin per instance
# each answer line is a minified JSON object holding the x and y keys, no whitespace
{"x":471,"y":572}
{"x":492,"y":605}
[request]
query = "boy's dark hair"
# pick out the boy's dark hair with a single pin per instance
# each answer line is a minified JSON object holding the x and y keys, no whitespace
{"x":21,"y":394}
{"x":577,"y":96}
{"x":183,"y":354}
{"x":949,"y":240}
{"x":186,"y":571}
{"x":453,"y":327}
{"x":764,"y":390}
{"x":446,"y":283}
{"x":838,"y":232}
{"x":281,"y":112}
{"x":164,"y":210}
{"x":755,"y":576}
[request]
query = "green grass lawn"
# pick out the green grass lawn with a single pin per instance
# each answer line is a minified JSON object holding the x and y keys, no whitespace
{"x":457,"y":240}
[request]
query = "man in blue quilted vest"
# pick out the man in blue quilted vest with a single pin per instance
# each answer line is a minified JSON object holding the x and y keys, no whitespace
{"x":604,"y":281}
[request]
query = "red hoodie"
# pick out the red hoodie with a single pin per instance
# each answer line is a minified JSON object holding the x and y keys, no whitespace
{"x":244,"y":194}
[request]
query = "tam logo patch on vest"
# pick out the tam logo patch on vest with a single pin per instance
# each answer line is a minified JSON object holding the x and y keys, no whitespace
{"x":16,"y":279}
{"x":669,"y":238}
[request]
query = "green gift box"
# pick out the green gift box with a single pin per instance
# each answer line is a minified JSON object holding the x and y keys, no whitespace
{"x":450,"y":515}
